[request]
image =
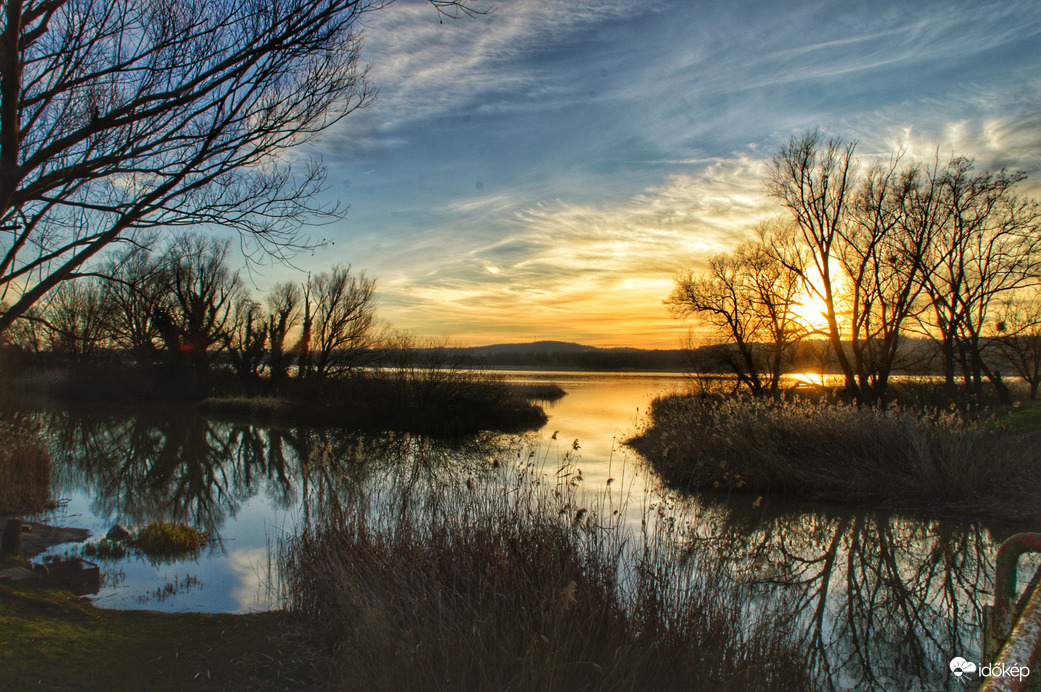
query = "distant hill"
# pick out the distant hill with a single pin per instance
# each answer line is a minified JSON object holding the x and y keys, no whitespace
{"x":569,"y":355}
{"x":533,"y":347}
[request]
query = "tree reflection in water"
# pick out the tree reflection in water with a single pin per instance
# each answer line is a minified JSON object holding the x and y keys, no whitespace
{"x":883,"y":601}
{"x":182,"y":467}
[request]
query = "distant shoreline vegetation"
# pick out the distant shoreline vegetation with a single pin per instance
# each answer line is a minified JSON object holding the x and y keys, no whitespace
{"x":446,"y":399}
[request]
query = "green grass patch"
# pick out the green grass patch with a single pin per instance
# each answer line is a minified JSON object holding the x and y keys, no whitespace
{"x":53,"y":641}
{"x":104,"y":549}
{"x":1025,"y":418}
{"x":167,"y":538}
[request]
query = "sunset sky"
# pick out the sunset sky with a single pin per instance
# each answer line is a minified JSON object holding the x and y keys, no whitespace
{"x":543,"y":172}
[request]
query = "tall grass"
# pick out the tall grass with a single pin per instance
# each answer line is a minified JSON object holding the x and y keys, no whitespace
{"x":905,"y":457}
{"x":500,"y":582}
{"x":25,"y":469}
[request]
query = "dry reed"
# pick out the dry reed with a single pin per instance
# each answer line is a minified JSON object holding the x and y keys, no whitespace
{"x":502,"y":582}
{"x":25,"y":469}
{"x":905,"y":457}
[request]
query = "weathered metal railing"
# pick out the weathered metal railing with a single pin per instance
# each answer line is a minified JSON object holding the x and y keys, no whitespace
{"x":1012,"y":630}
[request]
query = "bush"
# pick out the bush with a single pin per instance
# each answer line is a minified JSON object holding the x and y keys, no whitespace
{"x":105,"y":549}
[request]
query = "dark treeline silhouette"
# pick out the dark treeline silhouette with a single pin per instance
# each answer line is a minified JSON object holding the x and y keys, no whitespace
{"x":887,"y":251}
{"x":180,"y":306}
{"x":588,"y":359}
{"x":173,"y":321}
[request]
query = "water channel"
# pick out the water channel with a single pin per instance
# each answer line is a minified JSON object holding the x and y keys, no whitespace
{"x":883,"y":601}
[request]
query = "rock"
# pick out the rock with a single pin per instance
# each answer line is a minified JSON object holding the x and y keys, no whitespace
{"x":118,"y":533}
{"x":11,"y":544}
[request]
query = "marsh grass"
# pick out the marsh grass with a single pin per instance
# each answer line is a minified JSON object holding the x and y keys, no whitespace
{"x":539,"y":391}
{"x":167,"y":538}
{"x":501,"y":581}
{"x":25,"y":469}
{"x":105,"y":549}
{"x":918,"y":458}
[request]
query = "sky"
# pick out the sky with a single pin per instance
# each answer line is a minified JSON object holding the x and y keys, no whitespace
{"x":546,"y":170}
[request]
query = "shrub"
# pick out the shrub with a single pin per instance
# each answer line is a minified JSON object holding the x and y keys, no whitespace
{"x":105,"y":549}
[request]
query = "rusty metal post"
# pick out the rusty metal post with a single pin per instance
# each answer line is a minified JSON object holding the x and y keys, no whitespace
{"x":999,"y":618}
{"x":1017,"y":658}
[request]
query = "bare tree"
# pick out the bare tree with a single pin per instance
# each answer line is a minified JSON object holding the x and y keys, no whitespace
{"x":283,"y":314}
{"x":988,"y":248}
{"x":198,"y":317}
{"x":750,"y":297}
{"x":248,"y":341}
{"x":868,"y":239}
{"x":137,"y":287}
{"x":28,"y":333}
{"x":814,"y":179}
{"x":77,"y":318}
{"x":1019,"y":338}
{"x":341,"y":319}
{"x":122,"y":115}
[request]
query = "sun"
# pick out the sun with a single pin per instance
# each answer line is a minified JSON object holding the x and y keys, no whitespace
{"x":812,"y":311}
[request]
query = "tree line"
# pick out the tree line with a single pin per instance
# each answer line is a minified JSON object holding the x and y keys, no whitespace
{"x":180,"y":305}
{"x":888,"y":250}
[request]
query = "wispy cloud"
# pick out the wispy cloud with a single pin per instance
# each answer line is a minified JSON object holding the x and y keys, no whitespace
{"x":564,"y":268}
{"x":554,"y":164}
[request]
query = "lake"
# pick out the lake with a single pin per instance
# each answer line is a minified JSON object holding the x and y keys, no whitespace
{"x":884,"y":601}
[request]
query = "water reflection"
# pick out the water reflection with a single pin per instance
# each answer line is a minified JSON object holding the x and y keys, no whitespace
{"x":246,"y":485}
{"x":883,"y":601}
{"x":182,"y":467}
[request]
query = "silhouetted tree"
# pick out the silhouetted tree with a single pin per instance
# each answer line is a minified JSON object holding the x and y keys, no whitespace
{"x":137,"y":287}
{"x":750,"y":297}
{"x":248,"y":343}
{"x":77,"y":317}
{"x":283,"y":314}
{"x":341,"y":317}
{"x":122,"y":115}
{"x":198,"y":317}
{"x":987,"y":249}
{"x":1019,"y":338}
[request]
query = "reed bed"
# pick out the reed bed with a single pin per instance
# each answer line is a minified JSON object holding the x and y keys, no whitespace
{"x":539,"y":391}
{"x":504,"y":581}
{"x":918,"y":458}
{"x":25,"y":469}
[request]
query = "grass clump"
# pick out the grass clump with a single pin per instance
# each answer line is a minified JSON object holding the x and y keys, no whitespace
{"x":167,"y":538}
{"x":903,"y":457}
{"x":501,"y":583}
{"x":105,"y":549}
{"x":25,"y":469}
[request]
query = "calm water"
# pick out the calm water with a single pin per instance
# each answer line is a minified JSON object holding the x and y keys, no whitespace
{"x":884,"y":601}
